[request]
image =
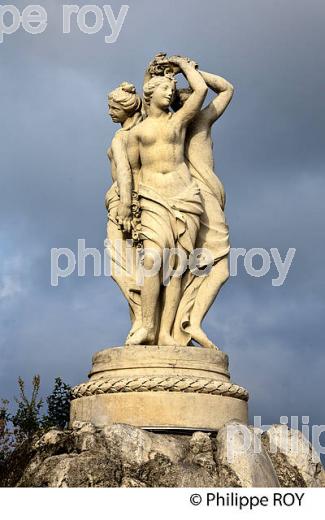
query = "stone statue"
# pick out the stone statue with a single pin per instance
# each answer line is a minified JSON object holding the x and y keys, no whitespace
{"x":200,"y":292}
{"x":166,"y":208}
{"x":170,"y":200}
{"x":179,"y":197}
{"x":124,"y":108}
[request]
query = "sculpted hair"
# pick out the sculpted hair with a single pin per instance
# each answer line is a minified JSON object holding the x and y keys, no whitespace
{"x":149,"y":87}
{"x":125,"y":95}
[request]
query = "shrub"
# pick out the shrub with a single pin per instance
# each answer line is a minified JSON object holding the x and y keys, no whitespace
{"x":27,"y":419}
{"x":58,"y":406}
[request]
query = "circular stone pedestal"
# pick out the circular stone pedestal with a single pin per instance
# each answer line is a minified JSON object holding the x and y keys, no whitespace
{"x":160,"y":388}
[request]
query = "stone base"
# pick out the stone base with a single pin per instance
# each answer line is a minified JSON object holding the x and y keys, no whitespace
{"x":160,"y":388}
{"x":160,"y":410}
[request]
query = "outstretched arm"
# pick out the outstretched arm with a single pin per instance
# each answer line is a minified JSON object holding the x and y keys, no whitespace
{"x":225,"y":92}
{"x":194,"y":103}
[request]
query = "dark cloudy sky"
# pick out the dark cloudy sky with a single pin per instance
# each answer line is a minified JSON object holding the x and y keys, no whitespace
{"x":269,"y":150}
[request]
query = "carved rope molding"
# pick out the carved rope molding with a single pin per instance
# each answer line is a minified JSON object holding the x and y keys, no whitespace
{"x":159,"y":384}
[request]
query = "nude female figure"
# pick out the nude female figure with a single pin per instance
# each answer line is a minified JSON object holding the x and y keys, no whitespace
{"x":125,"y":109}
{"x":169,"y":199}
{"x":200,"y":292}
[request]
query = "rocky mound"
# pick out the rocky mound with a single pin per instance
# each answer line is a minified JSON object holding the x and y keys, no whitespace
{"x":125,"y":456}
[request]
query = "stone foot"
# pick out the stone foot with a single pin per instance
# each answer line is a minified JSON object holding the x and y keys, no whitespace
{"x":200,"y":337}
{"x":142,"y":336}
{"x":167,"y":340}
{"x":136,"y":325}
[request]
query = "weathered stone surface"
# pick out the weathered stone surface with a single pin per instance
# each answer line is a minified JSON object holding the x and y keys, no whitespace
{"x":135,"y":446}
{"x":120,"y":455}
{"x":126,"y":456}
{"x":179,"y":186}
{"x":160,"y":387}
{"x":240,"y":447}
{"x":294,"y":457}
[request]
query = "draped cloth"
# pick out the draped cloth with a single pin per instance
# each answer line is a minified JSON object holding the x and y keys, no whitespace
{"x":213,"y":235}
{"x":171,"y":222}
{"x":214,"y":231}
{"x":122,"y":254}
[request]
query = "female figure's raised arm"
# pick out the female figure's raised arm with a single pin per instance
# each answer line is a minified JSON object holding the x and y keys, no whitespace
{"x":194,"y":103}
{"x":225,"y":92}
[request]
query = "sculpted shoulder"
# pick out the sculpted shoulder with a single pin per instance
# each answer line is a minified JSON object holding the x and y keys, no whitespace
{"x":138,"y":129}
{"x":120,"y":137}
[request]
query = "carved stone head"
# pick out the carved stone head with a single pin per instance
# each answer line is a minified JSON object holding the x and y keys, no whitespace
{"x":123,"y":102}
{"x":159,"y":90}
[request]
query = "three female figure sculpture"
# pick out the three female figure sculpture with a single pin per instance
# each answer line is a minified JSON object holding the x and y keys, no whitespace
{"x":165,"y":158}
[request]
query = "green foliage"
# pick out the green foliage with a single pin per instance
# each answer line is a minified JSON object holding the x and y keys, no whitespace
{"x":58,"y":405}
{"x":26,"y":420}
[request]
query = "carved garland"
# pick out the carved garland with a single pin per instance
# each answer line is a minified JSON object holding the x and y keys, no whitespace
{"x":159,"y":384}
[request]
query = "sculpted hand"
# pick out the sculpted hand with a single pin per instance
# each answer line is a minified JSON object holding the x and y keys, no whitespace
{"x":182,"y":62}
{"x":124,"y":216}
{"x":193,"y":63}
